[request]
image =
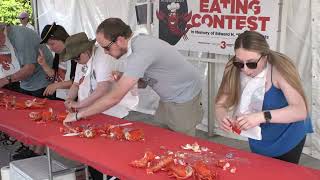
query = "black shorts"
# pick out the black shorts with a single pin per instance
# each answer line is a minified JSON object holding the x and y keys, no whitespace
{"x":293,"y":156}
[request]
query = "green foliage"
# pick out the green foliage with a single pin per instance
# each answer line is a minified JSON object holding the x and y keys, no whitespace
{"x":10,"y":10}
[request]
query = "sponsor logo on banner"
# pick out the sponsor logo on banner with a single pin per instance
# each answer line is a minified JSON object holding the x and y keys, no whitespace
{"x":213,"y":25}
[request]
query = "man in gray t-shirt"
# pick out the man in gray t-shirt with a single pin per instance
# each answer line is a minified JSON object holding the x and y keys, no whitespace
{"x":26,"y":45}
{"x":161,"y":66}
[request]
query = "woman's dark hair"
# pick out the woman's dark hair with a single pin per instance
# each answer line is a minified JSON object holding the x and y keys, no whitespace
{"x":55,"y":32}
{"x":55,"y":66}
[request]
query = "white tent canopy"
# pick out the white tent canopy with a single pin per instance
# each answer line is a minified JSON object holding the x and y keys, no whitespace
{"x":299,"y":40}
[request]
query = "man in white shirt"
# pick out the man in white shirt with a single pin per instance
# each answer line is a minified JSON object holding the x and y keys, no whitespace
{"x":24,"y":20}
{"x":93,"y":77}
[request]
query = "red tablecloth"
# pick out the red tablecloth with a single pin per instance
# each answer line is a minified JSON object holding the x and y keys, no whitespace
{"x":23,"y":129}
{"x":112,"y":156}
{"x":17,"y":123}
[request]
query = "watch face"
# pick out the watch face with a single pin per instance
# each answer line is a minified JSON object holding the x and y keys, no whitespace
{"x":267,"y":116}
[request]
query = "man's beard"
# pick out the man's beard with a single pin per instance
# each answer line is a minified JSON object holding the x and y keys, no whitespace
{"x":122,"y":51}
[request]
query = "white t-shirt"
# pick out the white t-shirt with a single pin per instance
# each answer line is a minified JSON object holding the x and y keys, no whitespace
{"x":11,"y":65}
{"x":98,"y":69}
{"x":63,"y":75}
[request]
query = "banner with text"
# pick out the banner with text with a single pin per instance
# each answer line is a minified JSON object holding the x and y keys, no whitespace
{"x":213,"y":25}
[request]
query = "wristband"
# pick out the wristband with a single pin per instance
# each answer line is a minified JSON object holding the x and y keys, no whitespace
{"x":267,"y":116}
{"x":9,"y":79}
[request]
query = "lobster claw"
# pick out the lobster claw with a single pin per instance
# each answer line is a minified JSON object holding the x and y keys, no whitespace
{"x":145,"y":161}
{"x":180,"y":171}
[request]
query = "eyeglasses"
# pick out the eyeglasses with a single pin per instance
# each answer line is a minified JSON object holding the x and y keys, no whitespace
{"x":76,"y":59}
{"x":107,"y":47}
{"x":250,"y":65}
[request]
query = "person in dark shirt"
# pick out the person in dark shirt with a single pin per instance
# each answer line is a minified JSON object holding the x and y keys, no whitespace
{"x":55,"y":36}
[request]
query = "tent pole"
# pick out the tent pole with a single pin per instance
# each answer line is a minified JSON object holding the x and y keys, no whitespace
{"x":282,"y":23}
{"x":149,"y":15}
{"x":34,"y":5}
{"x":211,"y":95}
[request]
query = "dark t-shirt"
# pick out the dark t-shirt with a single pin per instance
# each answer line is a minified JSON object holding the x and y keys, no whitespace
{"x":26,"y":44}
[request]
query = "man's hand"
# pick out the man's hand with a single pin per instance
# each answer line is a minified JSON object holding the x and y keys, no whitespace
{"x":51,"y":88}
{"x":67,"y":103}
{"x":41,"y":60}
{"x":3,"y":82}
{"x":71,"y":105}
{"x":71,"y":117}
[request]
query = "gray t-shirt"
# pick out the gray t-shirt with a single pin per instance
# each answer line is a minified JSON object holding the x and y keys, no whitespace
{"x":26,"y":44}
{"x":172,"y":77}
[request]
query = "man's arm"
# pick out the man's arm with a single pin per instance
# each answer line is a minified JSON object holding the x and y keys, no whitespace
{"x":26,"y":71}
{"x":51,"y":88}
{"x":73,"y":91}
{"x":65,"y":84}
{"x":102,"y":88}
{"x":72,"y":94}
{"x":122,"y":87}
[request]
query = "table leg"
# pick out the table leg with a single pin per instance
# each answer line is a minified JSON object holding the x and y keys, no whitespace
{"x":211,"y":94}
{"x":50,"y":177}
{"x":86,"y":172}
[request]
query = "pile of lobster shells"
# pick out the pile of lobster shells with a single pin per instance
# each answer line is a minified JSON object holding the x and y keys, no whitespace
{"x":48,"y":115}
{"x":10,"y":102}
{"x":110,"y":131}
{"x":175,"y":166}
{"x":193,"y":161}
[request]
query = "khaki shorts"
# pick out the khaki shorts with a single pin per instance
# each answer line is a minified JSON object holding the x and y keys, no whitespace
{"x":181,"y":117}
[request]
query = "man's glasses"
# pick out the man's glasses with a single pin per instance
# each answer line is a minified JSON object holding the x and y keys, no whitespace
{"x":76,"y":59}
{"x":250,"y":65}
{"x":107,"y":47}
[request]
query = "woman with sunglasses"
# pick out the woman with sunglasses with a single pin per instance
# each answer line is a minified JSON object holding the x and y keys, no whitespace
{"x":281,"y":113}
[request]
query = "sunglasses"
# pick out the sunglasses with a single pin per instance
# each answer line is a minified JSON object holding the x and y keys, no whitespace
{"x":107,"y":47}
{"x":250,"y":65}
{"x":76,"y":59}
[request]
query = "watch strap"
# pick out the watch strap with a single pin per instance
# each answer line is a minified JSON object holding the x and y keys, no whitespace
{"x":267,"y":116}
{"x":9,"y":78}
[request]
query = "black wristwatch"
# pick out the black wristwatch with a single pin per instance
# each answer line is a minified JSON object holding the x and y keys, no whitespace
{"x":9,"y":79}
{"x":267,"y":116}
